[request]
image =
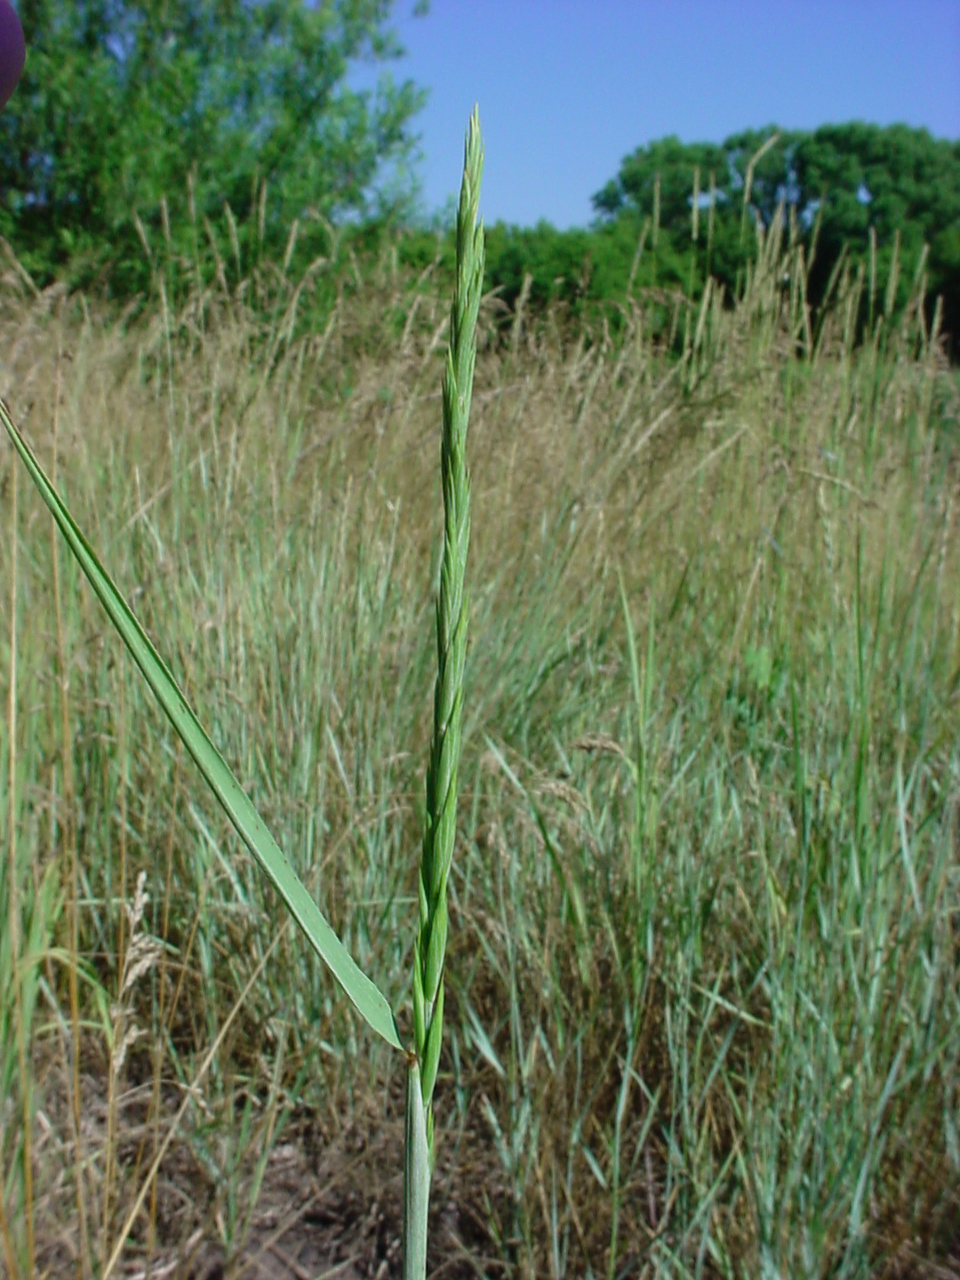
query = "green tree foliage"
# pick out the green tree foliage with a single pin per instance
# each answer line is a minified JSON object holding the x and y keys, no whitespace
{"x":838,"y":184}
{"x":124,"y":103}
{"x":675,"y":164}
{"x":895,"y":180}
{"x":842,"y":179}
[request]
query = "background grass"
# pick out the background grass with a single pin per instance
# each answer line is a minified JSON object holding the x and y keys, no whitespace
{"x":702,"y":976}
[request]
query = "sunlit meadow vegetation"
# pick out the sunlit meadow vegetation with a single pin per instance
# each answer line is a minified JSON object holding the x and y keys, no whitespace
{"x":702,"y":973}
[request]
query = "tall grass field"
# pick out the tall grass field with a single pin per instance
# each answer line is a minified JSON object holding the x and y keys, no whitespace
{"x":702,"y":973}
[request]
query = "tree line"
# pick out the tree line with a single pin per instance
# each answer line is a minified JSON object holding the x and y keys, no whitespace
{"x":843,"y":185}
{"x":149,"y":127}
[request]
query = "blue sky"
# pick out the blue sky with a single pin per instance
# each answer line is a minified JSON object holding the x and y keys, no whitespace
{"x":567,"y":88}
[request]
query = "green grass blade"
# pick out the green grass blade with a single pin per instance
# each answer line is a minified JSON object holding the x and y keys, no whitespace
{"x":370,"y":1002}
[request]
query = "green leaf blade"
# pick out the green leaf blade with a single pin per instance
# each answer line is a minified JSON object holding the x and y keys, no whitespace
{"x":366,"y":997}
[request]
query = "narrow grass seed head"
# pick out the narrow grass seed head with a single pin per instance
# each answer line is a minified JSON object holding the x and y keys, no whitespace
{"x":440,"y":828}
